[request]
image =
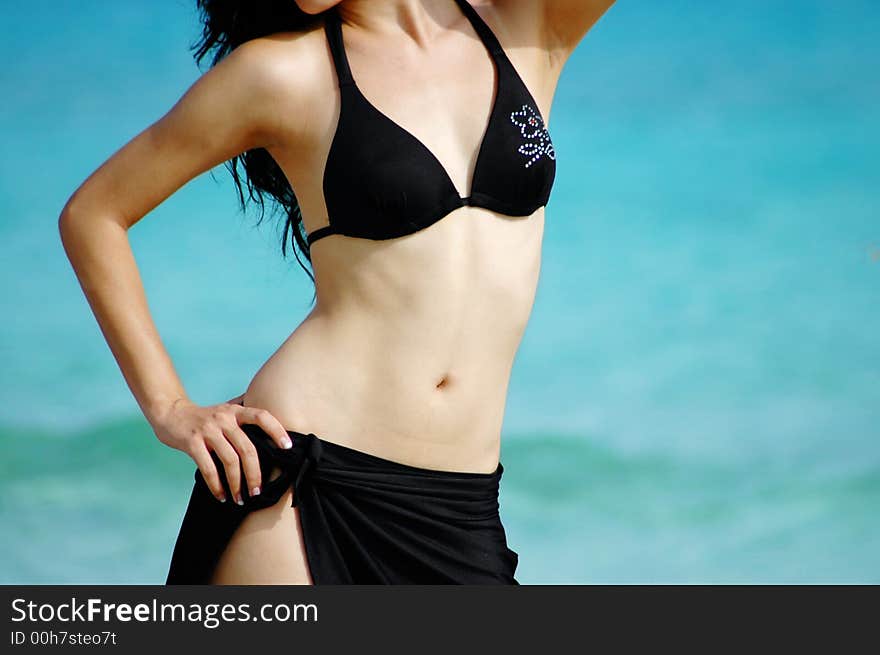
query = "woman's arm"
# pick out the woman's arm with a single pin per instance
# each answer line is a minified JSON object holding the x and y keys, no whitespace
{"x":566,"y":22}
{"x":561,"y":23}
{"x":231,"y":108}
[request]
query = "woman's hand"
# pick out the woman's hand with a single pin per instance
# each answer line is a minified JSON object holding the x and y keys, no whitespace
{"x":198,"y":430}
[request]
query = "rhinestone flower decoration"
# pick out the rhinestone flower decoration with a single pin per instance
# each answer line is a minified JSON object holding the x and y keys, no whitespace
{"x":537,"y":141}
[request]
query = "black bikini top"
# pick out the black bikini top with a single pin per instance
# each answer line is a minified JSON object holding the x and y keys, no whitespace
{"x":381,"y":182}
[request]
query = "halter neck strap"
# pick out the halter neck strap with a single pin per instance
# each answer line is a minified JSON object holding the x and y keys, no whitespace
{"x":333,"y":28}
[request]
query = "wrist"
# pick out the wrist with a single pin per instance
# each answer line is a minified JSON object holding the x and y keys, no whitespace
{"x":157,"y":409}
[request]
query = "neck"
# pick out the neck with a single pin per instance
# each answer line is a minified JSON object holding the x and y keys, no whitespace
{"x":417,"y":20}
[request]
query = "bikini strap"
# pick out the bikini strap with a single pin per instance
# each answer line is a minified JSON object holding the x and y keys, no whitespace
{"x":320,"y":233}
{"x":333,"y":29}
{"x":487,"y":36}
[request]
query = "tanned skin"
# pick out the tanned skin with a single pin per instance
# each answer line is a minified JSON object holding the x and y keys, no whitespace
{"x":408,"y":350}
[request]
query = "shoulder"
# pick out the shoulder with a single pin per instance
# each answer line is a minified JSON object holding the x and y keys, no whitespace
{"x":282,"y":63}
{"x":283,"y":74}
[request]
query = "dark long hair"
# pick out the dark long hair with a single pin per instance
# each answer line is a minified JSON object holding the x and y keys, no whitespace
{"x":226,"y":24}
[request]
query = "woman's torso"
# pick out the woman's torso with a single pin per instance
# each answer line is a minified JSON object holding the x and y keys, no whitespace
{"x":408,"y":351}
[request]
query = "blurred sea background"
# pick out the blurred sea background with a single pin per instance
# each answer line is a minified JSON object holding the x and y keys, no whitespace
{"x":697,"y":397}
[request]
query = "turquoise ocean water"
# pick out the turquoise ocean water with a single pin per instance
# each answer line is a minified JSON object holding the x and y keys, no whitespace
{"x":697,"y":397}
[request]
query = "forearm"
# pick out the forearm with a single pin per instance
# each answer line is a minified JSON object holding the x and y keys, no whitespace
{"x":100,"y":253}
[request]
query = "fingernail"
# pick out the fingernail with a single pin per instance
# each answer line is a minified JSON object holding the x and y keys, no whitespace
{"x":239,"y":500}
{"x":222,"y":499}
{"x":255,"y":491}
{"x":287,"y":442}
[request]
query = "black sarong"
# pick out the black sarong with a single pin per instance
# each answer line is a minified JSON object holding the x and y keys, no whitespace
{"x":365,"y":519}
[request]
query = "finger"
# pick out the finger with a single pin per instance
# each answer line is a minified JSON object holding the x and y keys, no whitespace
{"x":203,"y":460}
{"x":271,"y":425}
{"x":250,"y":460}
{"x":218,"y":443}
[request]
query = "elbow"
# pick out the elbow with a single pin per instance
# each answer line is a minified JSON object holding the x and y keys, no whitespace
{"x":82,"y":226}
{"x":72,"y":223}
{"x":65,"y":218}
{"x":67,"y":221}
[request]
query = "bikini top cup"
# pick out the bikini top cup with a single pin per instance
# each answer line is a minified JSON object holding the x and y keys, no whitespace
{"x":381,"y":182}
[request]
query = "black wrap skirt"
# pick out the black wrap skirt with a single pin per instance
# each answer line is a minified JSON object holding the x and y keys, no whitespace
{"x":364,"y":519}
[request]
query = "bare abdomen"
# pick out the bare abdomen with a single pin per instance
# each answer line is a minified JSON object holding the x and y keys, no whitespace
{"x":409,"y":357}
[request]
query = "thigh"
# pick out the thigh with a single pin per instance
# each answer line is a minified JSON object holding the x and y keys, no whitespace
{"x":267,"y":548}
